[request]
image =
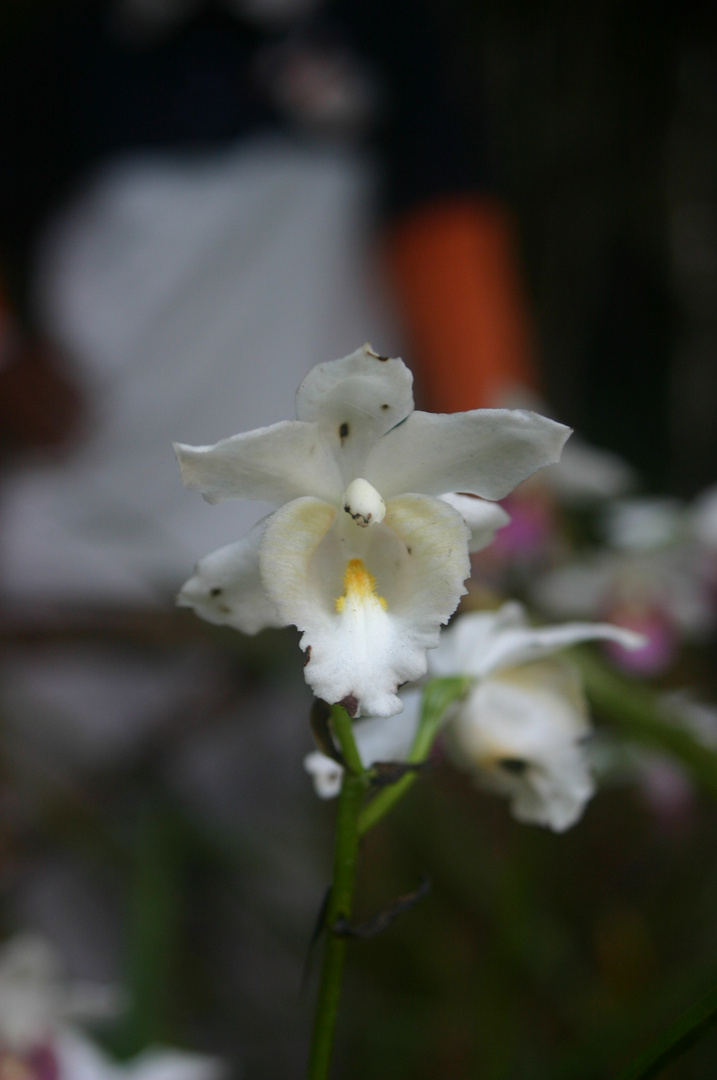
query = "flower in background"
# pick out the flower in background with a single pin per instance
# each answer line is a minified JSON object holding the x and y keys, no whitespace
{"x":37,"y":1040}
{"x":652,"y":581}
{"x":521,"y":727}
{"x":363,"y":555}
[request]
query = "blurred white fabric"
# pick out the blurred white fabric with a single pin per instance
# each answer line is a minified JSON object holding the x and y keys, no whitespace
{"x":194,"y":294}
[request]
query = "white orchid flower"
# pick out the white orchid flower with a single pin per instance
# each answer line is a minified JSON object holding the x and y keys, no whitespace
{"x":520,"y":729}
{"x":383,"y":739}
{"x":363,"y":555}
{"x":38,"y":1005}
{"x":36,"y":999}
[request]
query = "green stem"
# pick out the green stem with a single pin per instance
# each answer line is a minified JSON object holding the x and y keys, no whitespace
{"x":339,"y":907}
{"x":438,"y":695}
{"x":345,"y":735}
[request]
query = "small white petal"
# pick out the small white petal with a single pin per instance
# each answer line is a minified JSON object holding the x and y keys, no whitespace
{"x":226,"y":588}
{"x":325,"y":773}
{"x":274,"y":464}
{"x":483,"y":518}
{"x":485,"y":452}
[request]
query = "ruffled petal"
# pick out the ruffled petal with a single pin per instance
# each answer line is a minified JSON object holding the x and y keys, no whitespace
{"x":485,"y":452}
{"x":274,"y":464}
{"x":481,"y":643}
{"x":369,"y":601}
{"x":483,"y":518}
{"x":520,"y":735}
{"x":355,"y":401}
{"x":226,"y":587}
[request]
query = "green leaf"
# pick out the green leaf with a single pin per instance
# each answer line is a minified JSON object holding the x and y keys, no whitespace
{"x":686,"y":1030}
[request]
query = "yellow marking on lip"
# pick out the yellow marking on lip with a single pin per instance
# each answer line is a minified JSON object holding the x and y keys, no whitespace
{"x":359,"y":586}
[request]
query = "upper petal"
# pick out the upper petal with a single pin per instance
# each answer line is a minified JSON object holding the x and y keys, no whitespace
{"x":226,"y":587}
{"x":354,"y":401}
{"x":485,"y":452}
{"x":275,"y":464}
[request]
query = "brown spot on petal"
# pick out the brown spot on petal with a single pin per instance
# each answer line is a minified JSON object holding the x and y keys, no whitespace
{"x":343,"y":431}
{"x":350,"y":703}
{"x":216,"y":591}
{"x":384,"y":407}
{"x":307,"y":658}
{"x":515,"y":766}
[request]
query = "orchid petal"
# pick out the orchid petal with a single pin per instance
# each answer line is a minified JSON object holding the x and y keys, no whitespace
{"x":355,"y":401}
{"x":485,"y":452}
{"x":226,"y":588}
{"x":408,"y":573}
{"x":520,"y":736}
{"x":483,"y":518}
{"x":274,"y":464}
{"x":481,"y":643}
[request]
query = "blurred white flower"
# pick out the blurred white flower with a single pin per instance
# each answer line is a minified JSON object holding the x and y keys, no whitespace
{"x":519,"y":730}
{"x":363,"y":555}
{"x":655,"y":580}
{"x":587,"y":474}
{"x":645,"y":524}
{"x":37,"y":1041}
{"x":36,"y":999}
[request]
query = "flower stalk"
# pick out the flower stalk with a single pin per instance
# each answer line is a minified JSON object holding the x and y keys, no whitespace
{"x":340,"y":901}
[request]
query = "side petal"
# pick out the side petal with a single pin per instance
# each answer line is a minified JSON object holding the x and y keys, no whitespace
{"x":369,"y":601}
{"x":226,"y":587}
{"x":483,"y":518}
{"x":326,"y":774}
{"x":355,"y":401}
{"x":274,"y":464}
{"x":472,"y":636}
{"x":480,"y":643}
{"x":485,"y":452}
